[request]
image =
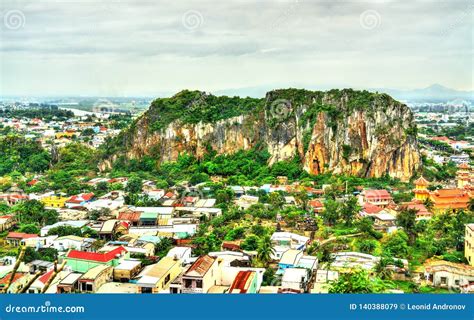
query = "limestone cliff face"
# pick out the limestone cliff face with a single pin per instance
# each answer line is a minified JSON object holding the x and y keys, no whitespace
{"x":350,"y":132}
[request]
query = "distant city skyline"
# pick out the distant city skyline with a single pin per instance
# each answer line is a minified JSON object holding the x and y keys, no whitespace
{"x":155,"y":48}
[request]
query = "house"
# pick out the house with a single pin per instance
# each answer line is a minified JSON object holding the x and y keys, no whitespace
{"x":157,"y":277}
{"x":94,"y":278}
{"x":54,"y":201}
{"x":70,"y":242}
{"x":246,"y":201}
{"x":295,"y":279}
{"x":6,"y":222}
{"x":79,"y":200}
{"x":421,"y":212}
{"x":379,"y":198}
{"x":246,"y":281}
{"x":38,"y":285}
{"x":369,"y":209}
{"x":289,"y":259}
{"x":384,"y":221}
{"x":445,"y":274}
{"x":201,"y":276}
{"x":81,"y":261}
{"x":151,"y":216}
{"x":181,"y":253}
{"x":40,"y":265}
{"x":132,"y":216}
{"x":469,"y":243}
{"x":107,"y":229}
{"x":282,"y":241}
{"x":154,"y":194}
{"x":69,"y":284}
{"x":316,"y":206}
{"x":344,"y":261}
{"x":126,"y":270}
{"x":15,"y":238}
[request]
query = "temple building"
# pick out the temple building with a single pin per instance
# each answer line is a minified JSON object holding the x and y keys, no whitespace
{"x":464,"y":176}
{"x":421,"y":189}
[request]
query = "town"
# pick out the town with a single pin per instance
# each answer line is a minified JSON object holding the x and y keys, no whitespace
{"x":66,"y":227}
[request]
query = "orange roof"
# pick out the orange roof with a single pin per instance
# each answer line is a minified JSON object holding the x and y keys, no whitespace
{"x":450,"y":198}
{"x":371,"y":208}
{"x":421,"y":181}
{"x":240,"y":281}
{"x":464,"y":165}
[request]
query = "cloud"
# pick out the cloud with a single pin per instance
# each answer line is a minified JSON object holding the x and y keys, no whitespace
{"x":147,"y":46}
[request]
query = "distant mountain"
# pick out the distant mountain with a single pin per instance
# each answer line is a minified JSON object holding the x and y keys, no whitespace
{"x":433,"y":93}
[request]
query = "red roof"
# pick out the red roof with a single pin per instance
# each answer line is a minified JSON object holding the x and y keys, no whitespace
{"x":21,"y":235}
{"x":32,"y":182}
{"x":133,"y":216}
{"x":94,"y":256}
{"x":45,"y":277}
{"x":381,"y":194}
{"x":81,"y":198}
{"x":371,"y":208}
{"x":315,"y":203}
{"x":4,"y":280}
{"x":240,"y":281}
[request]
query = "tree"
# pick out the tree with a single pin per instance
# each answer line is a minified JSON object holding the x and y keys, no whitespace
{"x":265,"y":249}
{"x":62,"y":231}
{"x":162,"y":248}
{"x":134,"y":185}
{"x":407,"y":220}
{"x":250,"y":243}
{"x":331,"y":211}
{"x":29,"y":228}
{"x":348,"y":210}
{"x":396,"y":245}
{"x":382,"y":270}
{"x":33,"y":211}
{"x":357,"y":281}
{"x":366,"y":245}
{"x":276,"y":200}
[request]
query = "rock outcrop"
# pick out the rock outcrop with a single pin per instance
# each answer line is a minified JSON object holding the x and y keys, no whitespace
{"x":340,"y":131}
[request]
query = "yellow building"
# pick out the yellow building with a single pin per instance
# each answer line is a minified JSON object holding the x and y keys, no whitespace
{"x":421,"y":189}
{"x":64,"y":134}
{"x":55,"y":201}
{"x":157,"y":277}
{"x":469,"y":243}
{"x":463,"y":175}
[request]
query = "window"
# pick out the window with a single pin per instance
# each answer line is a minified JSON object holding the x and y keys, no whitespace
{"x":146,"y":290}
{"x":198,"y":283}
{"x":444,"y":280}
{"x":167,"y":279}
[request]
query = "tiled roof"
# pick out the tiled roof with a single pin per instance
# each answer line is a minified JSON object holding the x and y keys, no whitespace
{"x":45,"y":277}
{"x":201,"y":266}
{"x":421,"y":181}
{"x":21,"y":235}
{"x":381,"y":194}
{"x":130,"y":216}
{"x":94,"y":256}
{"x":240,"y":281}
{"x":81,"y":197}
{"x":371,"y":208}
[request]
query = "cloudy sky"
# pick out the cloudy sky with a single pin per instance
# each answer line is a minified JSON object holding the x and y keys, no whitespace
{"x":150,"y":47}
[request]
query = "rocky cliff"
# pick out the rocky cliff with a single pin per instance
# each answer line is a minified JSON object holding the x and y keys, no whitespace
{"x":340,"y":131}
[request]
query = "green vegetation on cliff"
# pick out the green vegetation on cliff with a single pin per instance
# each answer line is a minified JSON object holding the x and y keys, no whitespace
{"x":192,"y":107}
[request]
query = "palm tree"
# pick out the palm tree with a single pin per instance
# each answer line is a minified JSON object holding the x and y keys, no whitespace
{"x":381,"y":269}
{"x":470,"y":205}
{"x":265,"y":249}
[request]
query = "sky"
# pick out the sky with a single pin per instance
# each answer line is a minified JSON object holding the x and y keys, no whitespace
{"x":156,"y":48}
